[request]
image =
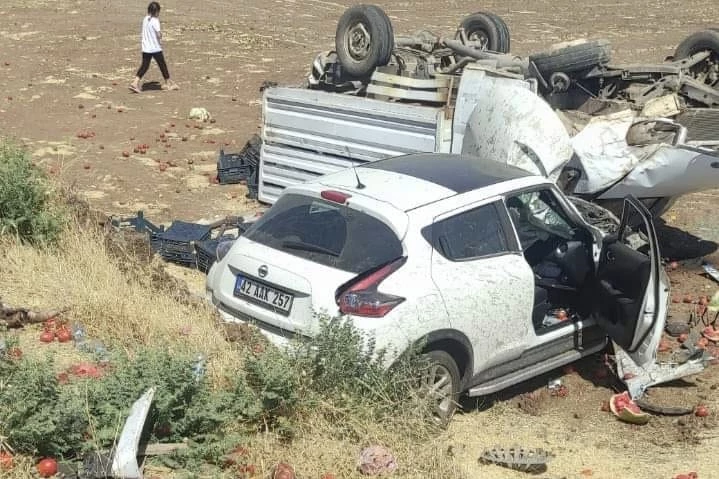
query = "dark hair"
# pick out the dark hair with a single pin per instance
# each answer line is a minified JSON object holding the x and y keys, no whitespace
{"x":153,"y":9}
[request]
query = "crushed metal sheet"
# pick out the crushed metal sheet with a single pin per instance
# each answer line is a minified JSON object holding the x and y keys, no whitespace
{"x":518,"y":458}
{"x":711,"y":270}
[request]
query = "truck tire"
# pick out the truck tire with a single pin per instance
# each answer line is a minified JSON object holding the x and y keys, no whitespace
{"x":364,"y":40}
{"x":697,"y":42}
{"x":489,"y":28}
{"x":706,"y":72}
{"x":442,"y":373}
{"x":569,"y":57}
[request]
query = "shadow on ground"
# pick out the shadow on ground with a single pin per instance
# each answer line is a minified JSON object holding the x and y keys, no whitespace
{"x":678,"y":244}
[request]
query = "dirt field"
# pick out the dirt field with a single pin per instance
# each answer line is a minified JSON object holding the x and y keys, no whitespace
{"x":64,"y":69}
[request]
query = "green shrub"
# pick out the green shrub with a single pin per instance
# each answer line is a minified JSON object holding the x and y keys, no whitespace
{"x":337,"y":375}
{"x":38,"y":415}
{"x":26,"y":207}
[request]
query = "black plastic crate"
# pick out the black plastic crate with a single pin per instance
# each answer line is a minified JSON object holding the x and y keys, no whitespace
{"x":176,"y":243}
{"x":206,"y":251}
{"x":206,"y":254}
{"x":238,"y":167}
{"x":252,"y":186}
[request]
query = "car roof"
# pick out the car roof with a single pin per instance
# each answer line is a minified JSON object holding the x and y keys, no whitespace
{"x":414,"y":180}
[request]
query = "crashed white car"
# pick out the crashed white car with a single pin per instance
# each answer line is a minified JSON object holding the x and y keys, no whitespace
{"x":491,"y":269}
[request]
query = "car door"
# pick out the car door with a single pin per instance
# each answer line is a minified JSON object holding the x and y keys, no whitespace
{"x":486,"y":285}
{"x":632,"y":289}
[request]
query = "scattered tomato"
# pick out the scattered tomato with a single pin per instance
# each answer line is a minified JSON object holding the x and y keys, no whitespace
{"x":47,"y":337}
{"x":604,"y":407}
{"x":702,"y":343}
{"x":15,"y":353}
{"x":47,"y":467}
{"x":703,"y":300}
{"x":63,"y":335}
{"x":86,"y":166}
{"x":248,"y":469}
{"x":172,"y":125}
{"x":283,"y":471}
{"x":628,"y":376}
{"x":688,"y":299}
{"x":85,"y":369}
{"x":126,"y":154}
{"x":328,"y":475}
{"x":683,"y":337}
{"x":701,"y":411}
{"x":6,"y":461}
{"x":163,"y":166}
{"x":673,"y":265}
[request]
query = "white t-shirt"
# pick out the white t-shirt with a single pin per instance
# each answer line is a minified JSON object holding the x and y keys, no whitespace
{"x":150,"y":29}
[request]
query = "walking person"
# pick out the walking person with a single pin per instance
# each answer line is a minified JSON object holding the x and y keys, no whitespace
{"x":152,"y":48}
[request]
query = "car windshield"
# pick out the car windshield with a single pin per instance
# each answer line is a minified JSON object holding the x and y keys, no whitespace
{"x":326,"y":233}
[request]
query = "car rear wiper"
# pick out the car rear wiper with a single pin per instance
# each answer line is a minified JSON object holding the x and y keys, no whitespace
{"x":308,"y":247}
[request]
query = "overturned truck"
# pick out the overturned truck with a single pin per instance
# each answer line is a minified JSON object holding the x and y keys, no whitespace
{"x":600,"y":131}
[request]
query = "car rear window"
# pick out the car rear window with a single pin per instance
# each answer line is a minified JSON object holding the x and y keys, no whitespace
{"x":326,"y":233}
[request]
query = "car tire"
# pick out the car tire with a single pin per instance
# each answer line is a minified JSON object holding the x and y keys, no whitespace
{"x":364,"y":40}
{"x":570,"y":57}
{"x":489,"y":27}
{"x":441,"y":371}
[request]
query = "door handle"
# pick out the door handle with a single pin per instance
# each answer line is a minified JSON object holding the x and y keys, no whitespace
{"x":610,"y":256}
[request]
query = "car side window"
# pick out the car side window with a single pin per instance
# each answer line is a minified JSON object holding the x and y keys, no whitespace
{"x":470,"y":234}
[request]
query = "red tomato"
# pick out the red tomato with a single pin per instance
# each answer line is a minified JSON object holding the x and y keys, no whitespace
{"x":701,"y":411}
{"x":63,"y":335}
{"x":47,"y":467}
{"x":47,"y":337}
{"x":6,"y":461}
{"x":15,"y":353}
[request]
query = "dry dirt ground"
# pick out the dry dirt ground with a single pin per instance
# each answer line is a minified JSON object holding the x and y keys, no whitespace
{"x":64,"y":69}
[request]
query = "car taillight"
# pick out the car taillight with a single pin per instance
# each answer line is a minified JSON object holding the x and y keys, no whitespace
{"x":360,"y":296}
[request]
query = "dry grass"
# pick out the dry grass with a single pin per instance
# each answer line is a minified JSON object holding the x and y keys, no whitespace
{"x":116,"y":303}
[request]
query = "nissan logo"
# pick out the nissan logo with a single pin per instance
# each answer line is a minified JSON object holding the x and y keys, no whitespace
{"x":262,"y":271}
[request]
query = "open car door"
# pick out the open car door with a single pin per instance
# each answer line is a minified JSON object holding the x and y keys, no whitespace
{"x":632,"y":288}
{"x":632,"y":302}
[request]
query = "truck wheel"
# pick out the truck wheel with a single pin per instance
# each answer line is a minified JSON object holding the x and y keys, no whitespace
{"x":364,"y":40}
{"x":707,"y":71}
{"x":441,"y":380}
{"x":488,"y":29}
{"x":569,"y":57}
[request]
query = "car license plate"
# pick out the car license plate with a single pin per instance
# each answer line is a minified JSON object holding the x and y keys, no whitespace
{"x":263,"y":295}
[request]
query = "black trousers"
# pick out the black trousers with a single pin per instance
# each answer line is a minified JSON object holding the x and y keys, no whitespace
{"x":159,"y":58}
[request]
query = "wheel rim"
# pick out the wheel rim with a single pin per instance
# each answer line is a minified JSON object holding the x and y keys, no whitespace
{"x":436,"y":383}
{"x":707,"y":72}
{"x":358,"y":41}
{"x":480,"y":37}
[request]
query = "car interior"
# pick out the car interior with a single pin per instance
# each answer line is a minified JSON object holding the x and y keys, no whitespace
{"x":560,"y":254}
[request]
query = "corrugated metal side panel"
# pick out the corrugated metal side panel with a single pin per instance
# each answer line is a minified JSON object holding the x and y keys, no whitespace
{"x":701,"y":124}
{"x":309,"y":133}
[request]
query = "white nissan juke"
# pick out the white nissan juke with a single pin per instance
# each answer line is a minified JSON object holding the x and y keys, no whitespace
{"x":492,"y":270}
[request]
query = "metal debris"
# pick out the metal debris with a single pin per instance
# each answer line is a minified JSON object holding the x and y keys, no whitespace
{"x":517,"y":458}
